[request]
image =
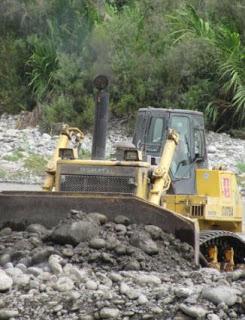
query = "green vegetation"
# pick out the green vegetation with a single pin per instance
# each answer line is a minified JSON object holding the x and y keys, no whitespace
{"x":15,"y":156}
{"x":84,"y":154}
{"x":3,"y":174}
{"x":241,"y":167}
{"x":35,"y":164}
{"x":175,"y":54}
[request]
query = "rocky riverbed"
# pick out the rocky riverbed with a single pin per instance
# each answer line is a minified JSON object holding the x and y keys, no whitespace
{"x":23,"y":153}
{"x":88,"y":268}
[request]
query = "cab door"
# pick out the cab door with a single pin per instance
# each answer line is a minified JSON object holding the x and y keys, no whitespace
{"x":140,"y":129}
{"x":150,"y":133}
{"x":190,"y":152}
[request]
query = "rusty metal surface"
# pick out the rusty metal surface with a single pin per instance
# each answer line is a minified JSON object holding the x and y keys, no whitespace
{"x":22,"y":208}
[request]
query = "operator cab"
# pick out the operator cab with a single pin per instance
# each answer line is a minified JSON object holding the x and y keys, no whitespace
{"x":151,"y":128}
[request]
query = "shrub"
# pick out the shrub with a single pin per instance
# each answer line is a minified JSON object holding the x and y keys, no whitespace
{"x":13,"y":90}
{"x":35,"y":164}
{"x":241,"y":167}
{"x":41,"y":65}
{"x":15,"y":156}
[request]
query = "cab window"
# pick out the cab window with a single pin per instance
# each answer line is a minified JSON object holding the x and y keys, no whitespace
{"x":180,"y":167}
{"x":199,"y":143}
{"x":156,"y":130}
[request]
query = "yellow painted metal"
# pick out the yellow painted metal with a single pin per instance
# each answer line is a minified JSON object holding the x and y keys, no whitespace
{"x":207,"y":182}
{"x":104,"y":163}
{"x":160,"y":174}
{"x":142,"y":183}
{"x":213,"y":257}
{"x":67,"y":134}
{"x":49,"y":182}
{"x":217,"y":205}
{"x":141,"y":171}
{"x":49,"y":179}
{"x":229,"y":259}
{"x":224,"y":200}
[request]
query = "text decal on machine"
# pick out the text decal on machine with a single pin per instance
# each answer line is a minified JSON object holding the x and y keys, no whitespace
{"x":226,"y":187}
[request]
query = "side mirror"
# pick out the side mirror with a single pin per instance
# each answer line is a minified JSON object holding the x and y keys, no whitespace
{"x":198,"y":158}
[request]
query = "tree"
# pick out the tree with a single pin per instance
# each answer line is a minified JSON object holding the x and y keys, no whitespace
{"x":227,"y":109}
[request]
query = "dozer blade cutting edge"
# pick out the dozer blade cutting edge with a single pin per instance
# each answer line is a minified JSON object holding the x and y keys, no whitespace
{"x":18,"y":209}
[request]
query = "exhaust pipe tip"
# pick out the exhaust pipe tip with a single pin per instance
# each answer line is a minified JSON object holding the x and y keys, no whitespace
{"x":101,"y":82}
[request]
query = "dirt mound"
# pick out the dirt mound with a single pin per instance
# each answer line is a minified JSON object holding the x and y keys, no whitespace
{"x":89,"y":268}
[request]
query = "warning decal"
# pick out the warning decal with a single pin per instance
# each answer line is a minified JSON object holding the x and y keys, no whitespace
{"x":226,"y":187}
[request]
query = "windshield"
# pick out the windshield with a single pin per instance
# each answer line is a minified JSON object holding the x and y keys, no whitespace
{"x":181,"y":163}
{"x":156,"y":130}
{"x":139,"y":130}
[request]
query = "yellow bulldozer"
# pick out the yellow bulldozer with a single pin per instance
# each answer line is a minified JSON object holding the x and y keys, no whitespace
{"x":162,"y":178}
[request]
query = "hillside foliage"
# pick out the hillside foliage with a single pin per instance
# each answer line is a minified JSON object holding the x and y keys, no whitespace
{"x":170,"y":54}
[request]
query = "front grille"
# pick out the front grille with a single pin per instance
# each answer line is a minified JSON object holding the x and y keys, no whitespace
{"x":96,"y":183}
{"x":197,"y":210}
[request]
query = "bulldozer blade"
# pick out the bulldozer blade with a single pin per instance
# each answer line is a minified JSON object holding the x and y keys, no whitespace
{"x":21,"y":208}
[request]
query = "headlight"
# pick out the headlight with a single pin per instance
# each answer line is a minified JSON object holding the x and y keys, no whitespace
{"x":131,"y":155}
{"x":66,"y":154}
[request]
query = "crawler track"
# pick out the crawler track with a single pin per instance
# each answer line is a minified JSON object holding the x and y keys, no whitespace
{"x":223,"y":239}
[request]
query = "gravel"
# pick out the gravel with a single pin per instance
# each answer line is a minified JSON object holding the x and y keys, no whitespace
{"x":91,"y":280}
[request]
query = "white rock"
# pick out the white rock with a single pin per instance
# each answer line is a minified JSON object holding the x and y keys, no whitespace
{"x":124,"y":288}
{"x":7,"y":314}
{"x":54,"y":264}
{"x":97,"y":243}
{"x":35,"y":271}
{"x":238,"y":274}
{"x":109,"y":313}
{"x":5,"y":281}
{"x":46,"y":136}
{"x":116,"y":277}
{"x":212,"y":149}
{"x":22,"y":267}
{"x":133,"y":294}
{"x":193,"y":311}
{"x":142,"y":299}
{"x":22,"y":281}
{"x":9,"y":266}
{"x":14,"y":272}
{"x":220,"y":294}
{"x":76,"y":274}
{"x":183,"y":292}
{"x":91,"y":285}
{"x":213,"y":316}
{"x":143,"y":279}
{"x":64,"y":284}
{"x":86,"y":317}
{"x":156,"y":310}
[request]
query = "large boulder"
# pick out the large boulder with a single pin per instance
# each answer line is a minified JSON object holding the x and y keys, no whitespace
{"x":75,"y":232}
{"x":220,"y":294}
{"x":109,"y":313}
{"x":6,"y":282}
{"x":64,"y":284}
{"x":196,"y":312}
{"x":8,"y":314}
{"x":143,"y":241}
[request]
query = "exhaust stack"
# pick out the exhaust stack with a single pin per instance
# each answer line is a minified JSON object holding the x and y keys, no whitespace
{"x":101,"y":118}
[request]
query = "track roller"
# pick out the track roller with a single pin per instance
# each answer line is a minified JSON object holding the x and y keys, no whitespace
{"x":213,"y":257}
{"x":222,"y":250}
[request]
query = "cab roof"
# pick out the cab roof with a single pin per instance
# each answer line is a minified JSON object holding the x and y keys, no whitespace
{"x":171,"y":110}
